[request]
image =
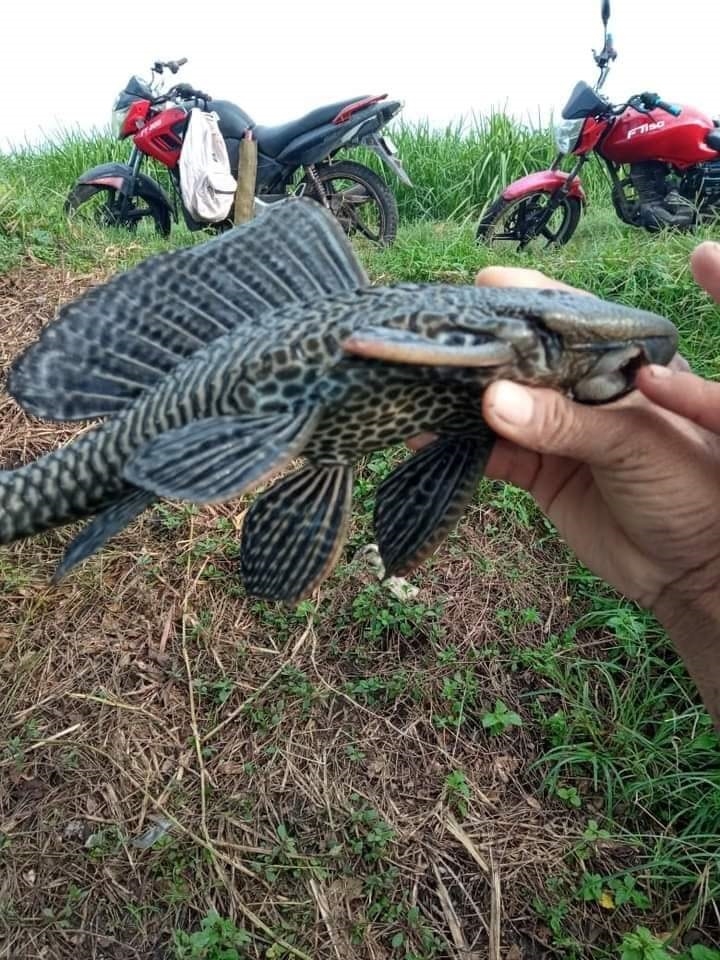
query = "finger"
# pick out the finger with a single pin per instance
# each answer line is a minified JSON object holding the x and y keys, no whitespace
{"x":513,"y":464}
{"x":519,"y":277}
{"x":683,"y":393}
{"x":547,"y":422}
{"x":705,"y":265}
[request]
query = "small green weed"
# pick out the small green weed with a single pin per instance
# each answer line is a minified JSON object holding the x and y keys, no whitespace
{"x":369,"y":835}
{"x":459,"y":693}
{"x":500,"y":719}
{"x":569,"y":796}
{"x":610,"y":892}
{"x":642,"y":944}
{"x":379,"y":614}
{"x":219,"y":691}
{"x":217,"y":939}
{"x":104,"y":843}
{"x":457,"y":791}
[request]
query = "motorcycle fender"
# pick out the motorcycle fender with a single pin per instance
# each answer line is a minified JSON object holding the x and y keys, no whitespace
{"x":546,"y":180}
{"x":389,"y":157}
{"x":116,"y":175}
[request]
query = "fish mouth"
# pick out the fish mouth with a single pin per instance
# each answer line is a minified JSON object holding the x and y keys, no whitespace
{"x":613,"y":374}
{"x":659,"y":349}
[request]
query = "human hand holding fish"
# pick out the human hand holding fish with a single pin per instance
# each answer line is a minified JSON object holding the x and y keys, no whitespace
{"x":633,"y":487}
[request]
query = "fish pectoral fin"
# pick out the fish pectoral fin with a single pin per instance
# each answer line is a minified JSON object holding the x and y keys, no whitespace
{"x":293,"y":533}
{"x":218,"y":458}
{"x":103,"y":526}
{"x":404,"y":346}
{"x":122,"y":337}
{"x":421,"y":500}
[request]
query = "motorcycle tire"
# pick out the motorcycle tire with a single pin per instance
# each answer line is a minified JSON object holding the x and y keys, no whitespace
{"x":352,"y":189}
{"x":519,"y":212}
{"x":106,"y":214}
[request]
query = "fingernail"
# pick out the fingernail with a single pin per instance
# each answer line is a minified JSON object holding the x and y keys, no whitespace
{"x":513,"y":403}
{"x":658,"y":372}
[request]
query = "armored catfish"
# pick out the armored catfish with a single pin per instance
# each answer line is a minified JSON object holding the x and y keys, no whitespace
{"x":212,"y":368}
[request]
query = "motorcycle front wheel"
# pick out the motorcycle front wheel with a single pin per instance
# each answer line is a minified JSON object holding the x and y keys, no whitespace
{"x":101,"y":205}
{"x":519,"y":222}
{"x":360,"y":200}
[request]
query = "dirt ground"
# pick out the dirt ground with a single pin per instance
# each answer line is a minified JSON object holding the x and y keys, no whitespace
{"x":320,"y":777}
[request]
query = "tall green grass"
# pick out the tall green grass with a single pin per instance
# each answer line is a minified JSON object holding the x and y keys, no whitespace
{"x":34,"y":185}
{"x":456,"y":172}
{"x":459,"y":170}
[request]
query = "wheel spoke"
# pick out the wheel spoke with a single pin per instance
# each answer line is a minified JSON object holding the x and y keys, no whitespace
{"x":358,"y":198}
{"x":529,"y":220}
{"x":100,"y":206}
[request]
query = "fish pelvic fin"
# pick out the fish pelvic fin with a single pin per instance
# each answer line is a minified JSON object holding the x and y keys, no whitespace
{"x":218,"y":458}
{"x":103,"y":526}
{"x":293,"y":533}
{"x":122,"y":337}
{"x":422,"y":499}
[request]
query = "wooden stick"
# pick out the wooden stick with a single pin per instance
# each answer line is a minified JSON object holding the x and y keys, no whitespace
{"x":247,"y":172}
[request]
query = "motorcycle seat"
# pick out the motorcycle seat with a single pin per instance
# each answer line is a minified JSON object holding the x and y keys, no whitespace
{"x":713,"y":139}
{"x":232,"y":120}
{"x":273,"y":140}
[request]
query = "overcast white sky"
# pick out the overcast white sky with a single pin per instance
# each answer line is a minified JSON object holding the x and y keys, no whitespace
{"x":63,"y":61}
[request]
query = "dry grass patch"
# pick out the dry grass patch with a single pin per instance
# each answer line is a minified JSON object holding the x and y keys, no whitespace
{"x":324,"y":778}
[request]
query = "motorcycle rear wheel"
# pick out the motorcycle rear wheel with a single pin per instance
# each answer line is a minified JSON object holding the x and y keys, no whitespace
{"x":100,"y":204}
{"x":515,"y":221}
{"x":360,"y":200}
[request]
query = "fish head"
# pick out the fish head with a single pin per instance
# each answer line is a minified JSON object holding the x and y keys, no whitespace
{"x":575,"y":342}
{"x":603,"y":344}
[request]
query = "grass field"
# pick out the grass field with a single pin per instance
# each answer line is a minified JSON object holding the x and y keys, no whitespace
{"x":511,"y":764}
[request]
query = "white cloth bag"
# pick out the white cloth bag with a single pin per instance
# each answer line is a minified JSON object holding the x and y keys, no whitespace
{"x":207,"y":186}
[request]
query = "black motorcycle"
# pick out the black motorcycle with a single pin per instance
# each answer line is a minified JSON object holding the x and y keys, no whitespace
{"x":296,"y":158}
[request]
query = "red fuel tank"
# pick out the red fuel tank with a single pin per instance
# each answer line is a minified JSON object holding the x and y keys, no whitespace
{"x":658,"y":135}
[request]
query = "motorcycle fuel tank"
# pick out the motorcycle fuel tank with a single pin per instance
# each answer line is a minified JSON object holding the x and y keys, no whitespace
{"x":657,"y":135}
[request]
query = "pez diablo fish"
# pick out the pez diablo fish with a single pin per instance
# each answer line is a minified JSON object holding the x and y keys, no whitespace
{"x":211,"y":368}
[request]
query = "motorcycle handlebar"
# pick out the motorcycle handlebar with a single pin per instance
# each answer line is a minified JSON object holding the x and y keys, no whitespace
{"x":172,"y":65}
{"x":652,"y":101}
{"x":188,"y":92}
{"x":182,"y":91}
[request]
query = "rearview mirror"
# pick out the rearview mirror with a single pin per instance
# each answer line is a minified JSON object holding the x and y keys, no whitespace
{"x":605,"y":12}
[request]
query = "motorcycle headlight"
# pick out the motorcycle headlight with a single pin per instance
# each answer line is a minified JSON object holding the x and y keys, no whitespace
{"x":118,"y":118}
{"x":567,"y":134}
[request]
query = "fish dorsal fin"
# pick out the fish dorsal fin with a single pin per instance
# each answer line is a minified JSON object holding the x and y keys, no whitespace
{"x":118,"y":339}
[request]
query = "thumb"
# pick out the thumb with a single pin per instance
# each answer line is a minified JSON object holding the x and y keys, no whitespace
{"x":547,"y":422}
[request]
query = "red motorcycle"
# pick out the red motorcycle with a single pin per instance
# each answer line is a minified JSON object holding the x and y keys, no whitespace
{"x":663,"y":162}
{"x":295,"y":158}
